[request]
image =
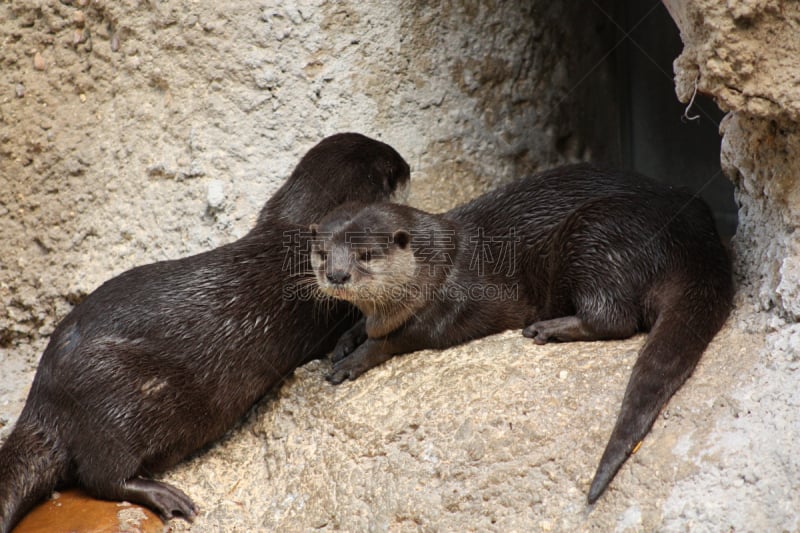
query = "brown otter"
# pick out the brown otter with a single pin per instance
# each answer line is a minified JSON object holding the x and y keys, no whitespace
{"x":166,"y":357}
{"x":577,"y":253}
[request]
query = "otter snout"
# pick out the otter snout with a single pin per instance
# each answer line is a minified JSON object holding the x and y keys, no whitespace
{"x":338,"y":277}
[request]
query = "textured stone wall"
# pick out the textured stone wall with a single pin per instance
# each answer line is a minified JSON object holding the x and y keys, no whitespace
{"x":137,"y":131}
{"x":746,"y":54}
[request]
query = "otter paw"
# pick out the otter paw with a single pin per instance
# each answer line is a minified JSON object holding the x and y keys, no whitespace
{"x":343,"y":370}
{"x":163,"y":499}
{"x":349,"y":342}
{"x":341,"y":351}
{"x":343,"y":348}
{"x":537,"y":332}
{"x":175,"y":503}
{"x":339,"y":376}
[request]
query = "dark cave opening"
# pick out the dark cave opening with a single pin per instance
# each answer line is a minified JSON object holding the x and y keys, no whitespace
{"x":627,"y":111}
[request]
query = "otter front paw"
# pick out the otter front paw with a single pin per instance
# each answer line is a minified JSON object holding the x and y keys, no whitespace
{"x":350,"y":341}
{"x":369,"y":354}
{"x":346,"y":368}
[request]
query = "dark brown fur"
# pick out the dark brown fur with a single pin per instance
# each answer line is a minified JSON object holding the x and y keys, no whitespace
{"x":599,"y":255}
{"x":165,"y":358}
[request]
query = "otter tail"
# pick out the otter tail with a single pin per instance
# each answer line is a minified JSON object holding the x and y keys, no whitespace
{"x":30,"y":467}
{"x":688,"y":317}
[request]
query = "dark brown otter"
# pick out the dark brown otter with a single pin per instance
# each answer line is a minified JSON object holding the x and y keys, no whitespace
{"x":166,"y":357}
{"x":574,"y":253}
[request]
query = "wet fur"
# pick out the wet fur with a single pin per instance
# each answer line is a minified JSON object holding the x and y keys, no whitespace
{"x":166,"y":357}
{"x":601,"y":255}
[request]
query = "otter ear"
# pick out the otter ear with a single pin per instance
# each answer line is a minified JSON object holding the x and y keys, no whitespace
{"x":401,"y":238}
{"x":314,"y":228}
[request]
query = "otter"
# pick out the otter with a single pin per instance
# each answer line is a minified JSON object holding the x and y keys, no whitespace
{"x":165,"y":358}
{"x":578,"y":253}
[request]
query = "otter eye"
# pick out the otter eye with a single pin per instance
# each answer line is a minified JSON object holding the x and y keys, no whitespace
{"x":365,"y":256}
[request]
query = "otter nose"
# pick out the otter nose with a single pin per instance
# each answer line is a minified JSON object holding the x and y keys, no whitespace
{"x":338,"y":277}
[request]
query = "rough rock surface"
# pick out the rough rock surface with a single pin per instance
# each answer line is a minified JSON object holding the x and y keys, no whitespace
{"x":137,"y":131}
{"x":746,"y":54}
{"x":497,"y":435}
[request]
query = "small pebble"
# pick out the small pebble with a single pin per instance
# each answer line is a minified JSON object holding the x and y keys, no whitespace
{"x":115,"y":41}
{"x":215,"y":195}
{"x":78,"y":37}
{"x":20,"y":90}
{"x":79,"y":19}
{"x":82,"y":3}
{"x":38,"y":61}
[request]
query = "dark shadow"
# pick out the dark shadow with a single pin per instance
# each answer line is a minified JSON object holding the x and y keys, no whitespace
{"x":623,"y":110}
{"x":656,"y":138}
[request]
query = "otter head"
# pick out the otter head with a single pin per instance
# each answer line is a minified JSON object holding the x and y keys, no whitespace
{"x":364,"y":254}
{"x":360,"y":264}
{"x":346,"y":167}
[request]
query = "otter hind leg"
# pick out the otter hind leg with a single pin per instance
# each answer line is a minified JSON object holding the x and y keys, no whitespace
{"x":167,"y":501}
{"x":574,"y":328}
{"x":113,"y":473}
{"x":163,"y":499}
{"x":565,"y":329}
